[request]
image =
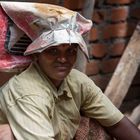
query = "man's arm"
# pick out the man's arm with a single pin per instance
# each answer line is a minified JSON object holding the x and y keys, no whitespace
{"x":124,"y":130}
{"x":5,"y":132}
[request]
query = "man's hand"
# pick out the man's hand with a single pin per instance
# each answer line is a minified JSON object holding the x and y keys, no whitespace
{"x":6,"y":132}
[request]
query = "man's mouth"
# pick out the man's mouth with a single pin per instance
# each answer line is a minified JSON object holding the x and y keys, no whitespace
{"x":62,"y":67}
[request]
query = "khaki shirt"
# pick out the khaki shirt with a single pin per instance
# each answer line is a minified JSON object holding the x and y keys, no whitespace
{"x":36,"y":110}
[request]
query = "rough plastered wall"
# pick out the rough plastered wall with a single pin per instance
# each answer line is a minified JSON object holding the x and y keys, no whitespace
{"x":113,"y":24}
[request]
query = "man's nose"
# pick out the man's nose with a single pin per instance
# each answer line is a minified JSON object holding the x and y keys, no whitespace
{"x":62,"y":58}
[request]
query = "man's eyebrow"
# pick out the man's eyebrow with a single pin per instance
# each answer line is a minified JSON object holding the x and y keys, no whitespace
{"x":52,"y":47}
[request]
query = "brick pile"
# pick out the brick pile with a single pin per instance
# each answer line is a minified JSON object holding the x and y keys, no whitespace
{"x":114,"y":23}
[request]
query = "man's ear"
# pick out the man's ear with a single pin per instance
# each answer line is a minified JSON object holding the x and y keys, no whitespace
{"x":34,"y":57}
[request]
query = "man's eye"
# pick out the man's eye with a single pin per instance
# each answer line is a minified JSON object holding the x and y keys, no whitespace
{"x":52,"y":51}
{"x":72,"y":51}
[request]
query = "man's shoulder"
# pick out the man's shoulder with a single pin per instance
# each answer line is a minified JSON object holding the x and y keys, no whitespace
{"x":21,"y":83}
{"x":19,"y":80}
{"x":21,"y":86}
{"x":77,"y":76}
{"x":76,"y":73}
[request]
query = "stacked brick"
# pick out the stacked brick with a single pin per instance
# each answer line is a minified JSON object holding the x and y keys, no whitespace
{"x":114,"y":23}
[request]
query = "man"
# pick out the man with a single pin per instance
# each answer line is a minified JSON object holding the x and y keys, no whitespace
{"x":45,"y":101}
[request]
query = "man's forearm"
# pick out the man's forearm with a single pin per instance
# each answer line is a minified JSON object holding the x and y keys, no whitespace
{"x":124,"y":130}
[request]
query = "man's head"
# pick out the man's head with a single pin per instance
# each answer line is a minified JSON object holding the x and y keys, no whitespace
{"x":48,"y":25}
{"x":57,"y":61}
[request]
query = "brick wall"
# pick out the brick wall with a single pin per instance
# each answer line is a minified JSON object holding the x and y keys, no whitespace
{"x":114,"y":22}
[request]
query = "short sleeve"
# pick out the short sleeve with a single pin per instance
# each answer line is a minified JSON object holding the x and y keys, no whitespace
{"x":29,"y":117}
{"x":96,"y":105}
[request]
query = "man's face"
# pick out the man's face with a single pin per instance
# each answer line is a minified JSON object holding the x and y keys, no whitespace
{"x":57,"y":61}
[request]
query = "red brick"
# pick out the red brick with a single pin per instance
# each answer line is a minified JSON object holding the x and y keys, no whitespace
{"x":119,"y":1}
{"x":72,"y":4}
{"x":94,"y":35}
{"x":108,"y":66}
{"x":135,"y":13}
{"x":118,"y":30}
{"x":101,"y":80}
{"x":117,"y":49}
{"x":120,"y":13}
{"x":99,"y":50}
{"x":99,"y":15}
{"x":92,"y":68}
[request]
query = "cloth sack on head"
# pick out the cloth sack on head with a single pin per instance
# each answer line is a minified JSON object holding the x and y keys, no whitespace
{"x":48,"y":25}
{"x":8,"y":38}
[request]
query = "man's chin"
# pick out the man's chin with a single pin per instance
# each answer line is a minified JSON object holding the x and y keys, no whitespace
{"x":61,"y":76}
